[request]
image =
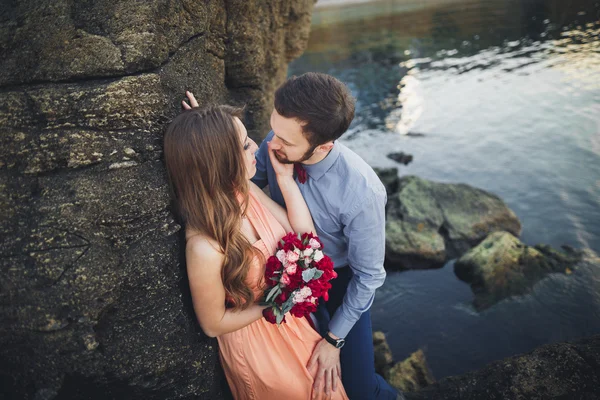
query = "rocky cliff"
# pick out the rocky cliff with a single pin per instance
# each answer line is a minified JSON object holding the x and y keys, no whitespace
{"x":93,"y":297}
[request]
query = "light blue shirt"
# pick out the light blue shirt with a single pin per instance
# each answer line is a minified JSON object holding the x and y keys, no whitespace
{"x":347,"y":203}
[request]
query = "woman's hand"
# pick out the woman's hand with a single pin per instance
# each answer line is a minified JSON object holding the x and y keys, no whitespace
{"x":191,"y":99}
{"x":281,"y":170}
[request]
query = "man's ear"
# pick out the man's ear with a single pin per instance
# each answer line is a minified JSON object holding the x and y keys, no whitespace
{"x":325,"y":147}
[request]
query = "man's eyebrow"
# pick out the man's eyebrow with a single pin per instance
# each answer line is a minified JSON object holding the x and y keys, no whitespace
{"x":283,"y":140}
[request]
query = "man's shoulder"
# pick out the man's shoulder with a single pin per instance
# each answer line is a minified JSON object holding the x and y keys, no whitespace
{"x":357,"y":173}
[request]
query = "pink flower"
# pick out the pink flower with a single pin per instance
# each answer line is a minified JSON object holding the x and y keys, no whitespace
{"x":285,"y":280}
{"x":291,"y":268}
{"x":314,"y":244}
{"x":292,"y":256}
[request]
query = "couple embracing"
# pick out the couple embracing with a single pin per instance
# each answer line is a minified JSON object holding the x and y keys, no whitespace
{"x":217,"y":173}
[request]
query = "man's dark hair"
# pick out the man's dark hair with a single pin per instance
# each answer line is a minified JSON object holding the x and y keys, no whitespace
{"x":323,"y":104}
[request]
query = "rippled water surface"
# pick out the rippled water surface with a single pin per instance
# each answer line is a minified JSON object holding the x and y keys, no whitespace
{"x":499,"y":94}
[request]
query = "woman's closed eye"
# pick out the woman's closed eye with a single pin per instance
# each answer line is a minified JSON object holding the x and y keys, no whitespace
{"x":246,"y":145}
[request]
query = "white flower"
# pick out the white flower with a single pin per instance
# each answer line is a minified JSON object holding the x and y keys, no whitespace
{"x":280,"y":256}
{"x":305,"y":291}
{"x":314,"y":243}
{"x":318,"y":255}
{"x":297,"y":298}
{"x":308,"y":252}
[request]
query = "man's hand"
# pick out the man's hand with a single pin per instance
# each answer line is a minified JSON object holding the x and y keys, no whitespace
{"x":324,"y":366}
{"x":191,"y":99}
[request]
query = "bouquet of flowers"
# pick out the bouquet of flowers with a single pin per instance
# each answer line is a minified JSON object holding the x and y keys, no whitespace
{"x":297,"y":277}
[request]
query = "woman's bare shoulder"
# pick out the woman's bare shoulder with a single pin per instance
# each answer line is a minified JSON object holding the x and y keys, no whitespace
{"x":200,"y":248}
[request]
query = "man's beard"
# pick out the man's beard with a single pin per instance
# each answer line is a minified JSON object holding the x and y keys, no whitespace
{"x":308,"y":154}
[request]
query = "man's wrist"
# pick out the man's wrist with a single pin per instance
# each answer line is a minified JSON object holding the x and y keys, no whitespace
{"x":337,"y":343}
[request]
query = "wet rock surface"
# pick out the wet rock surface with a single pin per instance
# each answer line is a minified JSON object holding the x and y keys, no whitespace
{"x":569,"y":370}
{"x":429,"y":223}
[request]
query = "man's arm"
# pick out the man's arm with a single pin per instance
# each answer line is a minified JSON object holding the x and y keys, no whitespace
{"x":365,"y":232}
{"x":261,"y":178}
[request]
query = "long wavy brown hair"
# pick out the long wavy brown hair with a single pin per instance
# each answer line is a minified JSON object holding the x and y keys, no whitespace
{"x":207,"y":174}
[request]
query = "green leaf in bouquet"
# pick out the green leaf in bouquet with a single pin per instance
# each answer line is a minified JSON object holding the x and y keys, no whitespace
{"x":274,"y":292}
{"x":308,"y":274}
{"x":287,"y":306}
{"x":318,"y":274}
{"x":278,"y":315}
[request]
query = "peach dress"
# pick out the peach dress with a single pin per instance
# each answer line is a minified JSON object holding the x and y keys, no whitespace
{"x":264,"y":361}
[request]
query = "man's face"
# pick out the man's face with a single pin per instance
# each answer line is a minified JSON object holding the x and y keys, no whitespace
{"x":289,"y":143}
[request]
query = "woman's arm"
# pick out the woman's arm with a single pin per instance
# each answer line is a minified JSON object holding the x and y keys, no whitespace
{"x":278,"y":212}
{"x":204,"y":263}
{"x":297,"y":210}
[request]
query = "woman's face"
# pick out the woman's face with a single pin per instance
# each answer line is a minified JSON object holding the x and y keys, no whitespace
{"x":249,"y":147}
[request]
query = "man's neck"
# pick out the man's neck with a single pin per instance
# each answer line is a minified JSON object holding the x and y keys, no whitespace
{"x":316,"y":158}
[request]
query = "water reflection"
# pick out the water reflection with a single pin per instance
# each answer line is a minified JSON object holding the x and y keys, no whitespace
{"x":506,"y":94}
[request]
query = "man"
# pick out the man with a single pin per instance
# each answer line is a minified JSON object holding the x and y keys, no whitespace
{"x":347,"y":203}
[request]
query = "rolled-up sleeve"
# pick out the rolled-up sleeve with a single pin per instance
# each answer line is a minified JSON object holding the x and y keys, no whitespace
{"x":261,"y":178}
{"x":364,"y":228}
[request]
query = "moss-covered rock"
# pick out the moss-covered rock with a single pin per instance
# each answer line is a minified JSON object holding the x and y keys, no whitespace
{"x":429,"y":222}
{"x":383,"y":355}
{"x":502,"y":266}
{"x":412,"y":374}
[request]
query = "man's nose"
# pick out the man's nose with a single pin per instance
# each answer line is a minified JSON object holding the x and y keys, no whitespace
{"x":275,"y":143}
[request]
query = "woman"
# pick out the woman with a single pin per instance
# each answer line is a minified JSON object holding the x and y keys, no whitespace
{"x":232,"y":227}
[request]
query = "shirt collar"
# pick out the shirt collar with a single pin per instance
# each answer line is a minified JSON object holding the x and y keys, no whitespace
{"x":316,"y":171}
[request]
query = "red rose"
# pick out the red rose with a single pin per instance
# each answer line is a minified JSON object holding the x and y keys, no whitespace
{"x":292,"y":242}
{"x":295,"y":281}
{"x":272,"y":266}
{"x":300,"y":310}
{"x":270,"y":315}
{"x":283,"y":296}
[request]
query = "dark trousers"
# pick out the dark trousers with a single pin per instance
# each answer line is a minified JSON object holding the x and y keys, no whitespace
{"x":356,"y":357}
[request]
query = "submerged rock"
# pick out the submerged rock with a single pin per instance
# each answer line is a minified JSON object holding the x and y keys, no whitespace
{"x":556,"y":371}
{"x":401,"y":157}
{"x":429,"y":223}
{"x":502,"y":266}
